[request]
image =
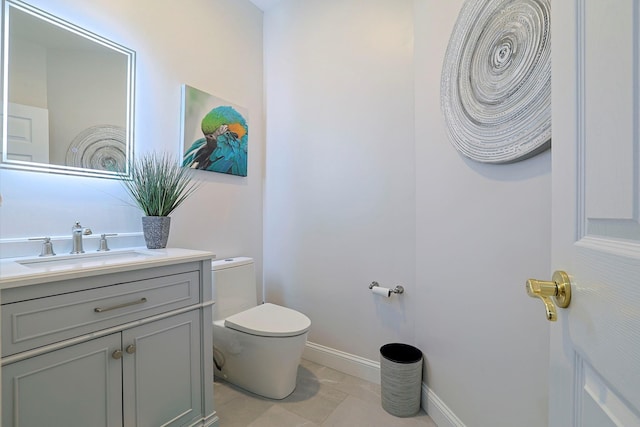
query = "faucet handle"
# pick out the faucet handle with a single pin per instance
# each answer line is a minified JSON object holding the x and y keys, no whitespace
{"x":103,"y":241}
{"x":77,"y":227}
{"x":47,"y":246}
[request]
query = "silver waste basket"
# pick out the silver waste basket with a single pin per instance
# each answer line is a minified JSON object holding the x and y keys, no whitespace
{"x":400,"y":379}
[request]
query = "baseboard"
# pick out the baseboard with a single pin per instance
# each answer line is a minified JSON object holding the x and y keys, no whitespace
{"x":369,"y":370}
{"x":437,"y":410}
{"x":344,"y":362}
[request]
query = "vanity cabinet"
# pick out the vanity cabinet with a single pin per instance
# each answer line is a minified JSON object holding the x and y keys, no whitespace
{"x":122,"y":349}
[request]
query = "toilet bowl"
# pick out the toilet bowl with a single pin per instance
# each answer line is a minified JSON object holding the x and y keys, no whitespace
{"x":256,"y":347}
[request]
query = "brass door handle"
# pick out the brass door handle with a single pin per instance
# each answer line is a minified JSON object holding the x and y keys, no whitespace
{"x":559,"y":288}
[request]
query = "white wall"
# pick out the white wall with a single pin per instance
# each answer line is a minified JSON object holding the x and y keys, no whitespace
{"x":214,"y":45}
{"x":358,"y":189}
{"x":482,"y":230}
{"x":340,"y":197}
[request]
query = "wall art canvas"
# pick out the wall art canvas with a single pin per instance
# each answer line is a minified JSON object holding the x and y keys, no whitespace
{"x":215,"y":133}
{"x":496,"y":80}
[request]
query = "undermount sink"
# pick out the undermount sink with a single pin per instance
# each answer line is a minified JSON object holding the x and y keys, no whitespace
{"x":84,"y":260}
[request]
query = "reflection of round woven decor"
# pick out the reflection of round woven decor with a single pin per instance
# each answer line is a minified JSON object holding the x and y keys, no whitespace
{"x":496,"y":80}
{"x":99,"y":147}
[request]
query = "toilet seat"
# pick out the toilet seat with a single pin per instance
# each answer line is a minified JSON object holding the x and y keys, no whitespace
{"x":269,"y":320}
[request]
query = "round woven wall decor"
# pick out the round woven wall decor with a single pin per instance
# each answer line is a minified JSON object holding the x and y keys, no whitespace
{"x":99,"y":147}
{"x":496,"y":80}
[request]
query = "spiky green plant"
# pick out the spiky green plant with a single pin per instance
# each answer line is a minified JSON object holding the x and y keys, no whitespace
{"x":159,"y":184}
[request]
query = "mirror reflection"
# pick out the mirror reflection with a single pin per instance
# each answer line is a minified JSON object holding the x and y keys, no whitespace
{"x":68,"y":96}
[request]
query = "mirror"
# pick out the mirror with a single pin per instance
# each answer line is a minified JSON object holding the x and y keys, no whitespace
{"x":68,"y":94}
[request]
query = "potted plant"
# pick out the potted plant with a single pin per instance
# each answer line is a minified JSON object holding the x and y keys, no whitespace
{"x":158,"y":185}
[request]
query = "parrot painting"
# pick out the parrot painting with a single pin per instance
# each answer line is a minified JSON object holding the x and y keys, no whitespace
{"x":224,"y":146}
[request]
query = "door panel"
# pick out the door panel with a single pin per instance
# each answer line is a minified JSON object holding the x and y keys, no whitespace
{"x":607,"y":63}
{"x":27,"y":134}
{"x":79,"y":385}
{"x":595,"y":348}
{"x":162,"y":376}
{"x":599,"y":405}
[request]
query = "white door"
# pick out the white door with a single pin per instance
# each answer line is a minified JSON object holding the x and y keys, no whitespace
{"x":27,"y":134}
{"x":595,"y":344}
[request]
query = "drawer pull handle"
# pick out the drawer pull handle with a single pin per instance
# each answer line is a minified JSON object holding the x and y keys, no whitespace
{"x":131,"y":349}
{"x":117,"y":354}
{"x":126,"y":304}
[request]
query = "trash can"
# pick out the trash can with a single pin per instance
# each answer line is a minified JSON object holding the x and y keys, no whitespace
{"x":400,"y":379}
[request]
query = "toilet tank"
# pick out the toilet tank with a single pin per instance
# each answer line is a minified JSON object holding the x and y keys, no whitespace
{"x":233,"y":282}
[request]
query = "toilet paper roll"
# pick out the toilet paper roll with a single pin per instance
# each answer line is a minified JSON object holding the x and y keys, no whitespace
{"x":385,"y":292}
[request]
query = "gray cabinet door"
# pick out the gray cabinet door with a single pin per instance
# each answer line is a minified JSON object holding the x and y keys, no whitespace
{"x":79,"y":385}
{"x":162,"y":379}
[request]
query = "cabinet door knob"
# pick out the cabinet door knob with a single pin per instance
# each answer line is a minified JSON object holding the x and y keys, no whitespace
{"x":131,"y":348}
{"x":117,"y":354}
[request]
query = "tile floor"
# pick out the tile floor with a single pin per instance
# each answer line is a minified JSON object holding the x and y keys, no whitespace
{"x":323,"y":397}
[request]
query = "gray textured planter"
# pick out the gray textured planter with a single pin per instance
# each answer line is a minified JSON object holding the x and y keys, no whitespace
{"x":400,"y":379}
{"x":156,"y":231}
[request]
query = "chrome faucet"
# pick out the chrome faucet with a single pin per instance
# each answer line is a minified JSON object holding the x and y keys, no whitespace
{"x":77,"y":231}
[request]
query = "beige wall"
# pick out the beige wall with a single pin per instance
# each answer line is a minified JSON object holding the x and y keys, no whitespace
{"x":29,"y":74}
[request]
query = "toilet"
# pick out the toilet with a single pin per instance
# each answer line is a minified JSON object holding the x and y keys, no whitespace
{"x":256,"y":347}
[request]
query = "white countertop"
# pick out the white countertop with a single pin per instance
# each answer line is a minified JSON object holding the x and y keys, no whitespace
{"x":15,"y":272}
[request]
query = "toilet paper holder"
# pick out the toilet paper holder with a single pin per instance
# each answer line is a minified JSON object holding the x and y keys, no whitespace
{"x":397,"y":290}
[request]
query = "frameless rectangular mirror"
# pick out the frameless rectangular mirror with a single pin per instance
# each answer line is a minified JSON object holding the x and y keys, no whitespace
{"x":69,"y":97}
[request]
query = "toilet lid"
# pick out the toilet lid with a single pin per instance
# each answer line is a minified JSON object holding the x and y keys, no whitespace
{"x":269,"y":320}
